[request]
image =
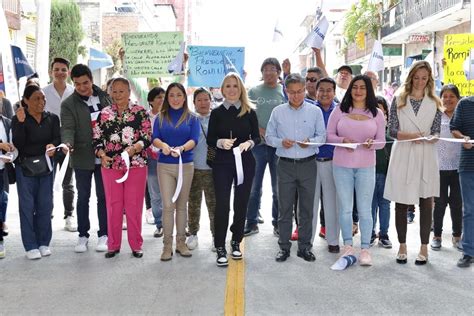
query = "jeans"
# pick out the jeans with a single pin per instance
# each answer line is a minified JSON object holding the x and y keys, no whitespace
{"x":383,"y":206}
{"x":35,"y":201}
{"x":263,"y":155}
{"x":363,"y":180}
{"x":449,"y":193}
{"x":467,"y":191}
{"x":154,"y":190}
{"x":83,"y":185}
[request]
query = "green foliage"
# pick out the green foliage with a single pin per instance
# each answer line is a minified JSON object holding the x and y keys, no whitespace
{"x":66,"y":31}
{"x":114,"y":50}
{"x":363,"y":17}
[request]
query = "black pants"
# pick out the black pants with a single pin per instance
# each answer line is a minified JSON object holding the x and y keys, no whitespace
{"x":224,"y":175}
{"x":426,"y":207}
{"x":68,"y":187}
{"x":449,"y":193}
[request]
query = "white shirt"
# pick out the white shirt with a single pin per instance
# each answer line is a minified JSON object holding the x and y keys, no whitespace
{"x":4,"y":139}
{"x":340,"y":92}
{"x":53,"y":99}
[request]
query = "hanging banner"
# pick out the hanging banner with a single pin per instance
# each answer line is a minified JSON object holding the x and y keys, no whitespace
{"x":148,"y":54}
{"x":208,"y":64}
{"x":457,"y":49}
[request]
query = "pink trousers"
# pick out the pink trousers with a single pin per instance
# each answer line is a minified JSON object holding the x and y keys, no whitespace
{"x":126,"y":196}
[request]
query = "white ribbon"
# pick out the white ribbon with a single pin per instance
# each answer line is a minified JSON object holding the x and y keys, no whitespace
{"x":180,"y":177}
{"x":238,"y":165}
{"x":354,"y":145}
{"x":59,"y":178}
{"x":126,"y":159}
{"x":8,"y":156}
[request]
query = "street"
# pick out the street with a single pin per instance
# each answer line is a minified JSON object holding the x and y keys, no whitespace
{"x":71,"y":283}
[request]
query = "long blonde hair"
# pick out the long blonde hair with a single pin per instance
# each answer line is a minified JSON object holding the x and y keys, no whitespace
{"x":407,"y":86}
{"x":246,"y":106}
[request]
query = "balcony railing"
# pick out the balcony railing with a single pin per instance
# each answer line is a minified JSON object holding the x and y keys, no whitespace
{"x":11,"y":5}
{"x":354,"y":52}
{"x":408,"y":12}
{"x":12,"y":10}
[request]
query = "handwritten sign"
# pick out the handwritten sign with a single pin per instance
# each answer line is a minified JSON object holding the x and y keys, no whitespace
{"x":456,"y":52}
{"x":148,"y":54}
{"x":206,"y":64}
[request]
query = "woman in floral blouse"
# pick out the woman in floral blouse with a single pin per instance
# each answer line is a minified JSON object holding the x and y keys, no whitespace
{"x":123,"y":127}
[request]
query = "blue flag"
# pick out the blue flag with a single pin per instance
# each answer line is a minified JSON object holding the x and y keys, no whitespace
{"x":22,"y":67}
{"x":98,"y":59}
{"x":228,"y":65}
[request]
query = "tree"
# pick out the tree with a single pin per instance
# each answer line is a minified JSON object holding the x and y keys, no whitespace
{"x":66,"y":31}
{"x":363,"y":17}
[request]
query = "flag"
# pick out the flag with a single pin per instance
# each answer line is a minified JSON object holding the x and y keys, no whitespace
{"x":22,"y":67}
{"x":176,"y":65}
{"x":277,"y":33}
{"x":7,"y":70}
{"x":228,"y":65}
{"x":99,"y":59}
{"x":376,"y":58}
{"x":316,"y":37}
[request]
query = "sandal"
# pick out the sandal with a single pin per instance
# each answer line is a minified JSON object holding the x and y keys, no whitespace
{"x":421,"y":260}
{"x":401,"y":258}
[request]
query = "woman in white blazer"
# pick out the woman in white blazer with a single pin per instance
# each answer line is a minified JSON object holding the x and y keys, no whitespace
{"x":413,"y":176}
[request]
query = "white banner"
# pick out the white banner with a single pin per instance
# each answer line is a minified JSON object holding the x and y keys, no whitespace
{"x":179,"y":185}
{"x":238,"y":165}
{"x":376,"y":58}
{"x":316,"y":37}
{"x":59,"y":178}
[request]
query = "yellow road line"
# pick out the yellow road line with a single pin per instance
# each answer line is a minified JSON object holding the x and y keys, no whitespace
{"x":235,"y":286}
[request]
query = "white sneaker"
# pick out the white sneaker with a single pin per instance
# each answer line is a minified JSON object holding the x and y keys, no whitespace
{"x":2,"y":250}
{"x":192,"y":242}
{"x":44,"y":251}
{"x":102,"y":244}
{"x":69,"y":224}
{"x":150,"y":219}
{"x":33,"y":254}
{"x":81,"y":245}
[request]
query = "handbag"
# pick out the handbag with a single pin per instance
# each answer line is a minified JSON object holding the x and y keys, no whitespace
{"x":211,"y":151}
{"x":35,"y":166}
{"x":10,"y":172}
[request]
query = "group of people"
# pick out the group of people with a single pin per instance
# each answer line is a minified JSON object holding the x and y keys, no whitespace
{"x":326,"y":142}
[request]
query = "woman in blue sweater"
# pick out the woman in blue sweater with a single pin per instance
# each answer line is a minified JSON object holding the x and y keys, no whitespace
{"x":175,"y":133}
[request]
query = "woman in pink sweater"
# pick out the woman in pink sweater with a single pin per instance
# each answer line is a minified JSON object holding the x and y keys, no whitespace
{"x":356,"y":120}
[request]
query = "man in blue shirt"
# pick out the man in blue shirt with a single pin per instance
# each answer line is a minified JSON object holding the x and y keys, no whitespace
{"x":290,"y":127}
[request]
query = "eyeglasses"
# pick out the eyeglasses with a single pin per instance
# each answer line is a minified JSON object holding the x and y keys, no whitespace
{"x":311,"y":79}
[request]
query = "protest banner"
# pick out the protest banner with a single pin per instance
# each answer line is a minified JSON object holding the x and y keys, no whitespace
{"x":207,"y":66}
{"x":456,"y":54}
{"x":316,"y":37}
{"x":148,"y":54}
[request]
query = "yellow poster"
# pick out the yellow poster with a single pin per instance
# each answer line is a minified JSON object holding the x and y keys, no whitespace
{"x":458,"y":62}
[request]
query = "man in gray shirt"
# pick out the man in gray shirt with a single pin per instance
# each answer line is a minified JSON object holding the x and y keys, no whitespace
{"x":291,"y":126}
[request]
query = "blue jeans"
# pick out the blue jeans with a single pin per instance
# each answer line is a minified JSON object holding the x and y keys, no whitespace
{"x":383,"y":206}
{"x":467,"y":191}
{"x":363,"y":180}
{"x":83,"y":185}
{"x":263,"y":155}
{"x":35,"y":201}
{"x":154,"y":190}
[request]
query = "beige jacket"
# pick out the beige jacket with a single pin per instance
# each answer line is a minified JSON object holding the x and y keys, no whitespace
{"x":413,"y":169}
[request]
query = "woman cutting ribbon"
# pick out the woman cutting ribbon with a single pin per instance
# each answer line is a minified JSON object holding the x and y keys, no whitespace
{"x":413,"y":174}
{"x":175,"y":132}
{"x":122,"y":134}
{"x":233,"y":126}
{"x":34,"y":132}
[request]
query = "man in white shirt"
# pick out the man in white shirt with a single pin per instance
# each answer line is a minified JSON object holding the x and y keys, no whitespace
{"x":55,"y":93}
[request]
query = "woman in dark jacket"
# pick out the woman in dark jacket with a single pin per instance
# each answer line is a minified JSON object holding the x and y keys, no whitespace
{"x":34,"y":132}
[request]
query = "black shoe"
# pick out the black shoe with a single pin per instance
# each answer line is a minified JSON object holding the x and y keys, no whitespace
{"x":282,"y":255}
{"x":250,"y":230}
{"x":158,"y":232}
{"x":306,"y":254}
{"x":221,"y":257}
{"x":137,"y":254}
{"x":236,"y":254}
{"x":276,"y":231}
{"x":334,"y":249}
{"x":385,"y":242}
{"x":465,"y":261}
{"x":372,"y":240}
{"x":111,"y":254}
